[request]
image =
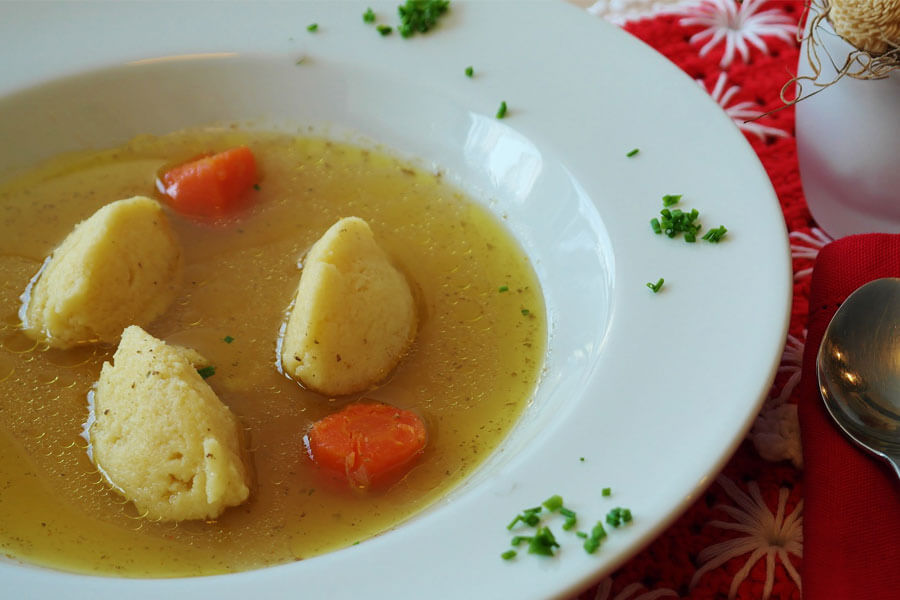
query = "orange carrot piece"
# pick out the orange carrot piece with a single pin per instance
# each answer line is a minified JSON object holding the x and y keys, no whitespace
{"x":212,"y":186}
{"x":366,"y":441}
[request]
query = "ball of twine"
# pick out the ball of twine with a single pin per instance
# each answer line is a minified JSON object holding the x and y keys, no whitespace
{"x":871,"y":27}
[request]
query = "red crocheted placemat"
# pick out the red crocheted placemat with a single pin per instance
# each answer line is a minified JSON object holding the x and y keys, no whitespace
{"x":743,"y":538}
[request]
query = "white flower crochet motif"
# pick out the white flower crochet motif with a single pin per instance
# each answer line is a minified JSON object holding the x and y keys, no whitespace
{"x":604,"y":589}
{"x":766,"y":534}
{"x":807,"y":245}
{"x":776,"y":434}
{"x":791,"y":362}
{"x":776,"y":431}
{"x":738,"y":23}
{"x":620,"y":12}
{"x":742,"y":112}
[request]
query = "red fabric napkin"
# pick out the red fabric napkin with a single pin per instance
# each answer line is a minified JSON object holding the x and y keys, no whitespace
{"x":851,"y":526}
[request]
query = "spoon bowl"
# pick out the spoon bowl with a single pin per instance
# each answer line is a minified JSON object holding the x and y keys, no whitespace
{"x":858,"y":368}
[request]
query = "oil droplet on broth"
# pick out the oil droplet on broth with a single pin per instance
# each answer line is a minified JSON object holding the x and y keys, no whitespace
{"x":7,"y":367}
{"x":19,"y":343}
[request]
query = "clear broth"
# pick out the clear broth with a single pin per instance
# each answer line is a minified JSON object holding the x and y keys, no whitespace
{"x":475,"y":363}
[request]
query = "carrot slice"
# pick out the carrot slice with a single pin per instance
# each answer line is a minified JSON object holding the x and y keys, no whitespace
{"x":212,"y":186}
{"x":366,"y":441}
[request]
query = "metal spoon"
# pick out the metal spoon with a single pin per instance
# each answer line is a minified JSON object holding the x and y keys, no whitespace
{"x":858,"y":366}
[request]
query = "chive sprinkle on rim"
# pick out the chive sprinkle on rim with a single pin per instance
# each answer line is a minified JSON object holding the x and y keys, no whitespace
{"x":655,"y":287}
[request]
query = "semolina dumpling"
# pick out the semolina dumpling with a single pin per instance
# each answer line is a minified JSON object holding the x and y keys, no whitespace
{"x":119,"y":267}
{"x":161,"y":435}
{"x":353,"y":315}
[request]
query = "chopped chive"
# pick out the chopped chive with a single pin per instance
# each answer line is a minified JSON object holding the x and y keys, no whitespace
{"x":312,"y":27}
{"x":300,"y":60}
{"x":656,"y":286}
{"x":675,"y":221}
{"x":593,"y":542}
{"x":503,"y":288}
{"x":670,"y":199}
{"x":581,"y":534}
{"x":532,"y":519}
{"x":633,"y":152}
{"x":525,"y":312}
{"x":553,"y":503}
{"x":606,"y":492}
{"x":529,"y":516}
{"x":618,"y":515}
{"x":470,"y":71}
{"x":256,"y":185}
{"x":714,"y":235}
{"x":508,"y":555}
{"x":581,"y":458}
{"x":384,"y":29}
{"x":369,"y":15}
{"x":228,"y":339}
{"x":207,"y":371}
{"x":418,"y":16}
{"x":501,"y":112}
{"x":613,"y":517}
{"x":570,"y":516}
{"x":543,"y":542}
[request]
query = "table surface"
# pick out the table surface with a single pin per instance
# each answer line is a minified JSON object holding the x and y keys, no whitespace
{"x":744,"y":537}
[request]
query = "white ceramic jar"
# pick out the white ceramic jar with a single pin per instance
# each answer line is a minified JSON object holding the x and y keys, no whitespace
{"x":848,"y":144}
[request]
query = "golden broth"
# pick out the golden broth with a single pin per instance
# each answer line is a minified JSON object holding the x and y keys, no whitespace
{"x":474,"y":364}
